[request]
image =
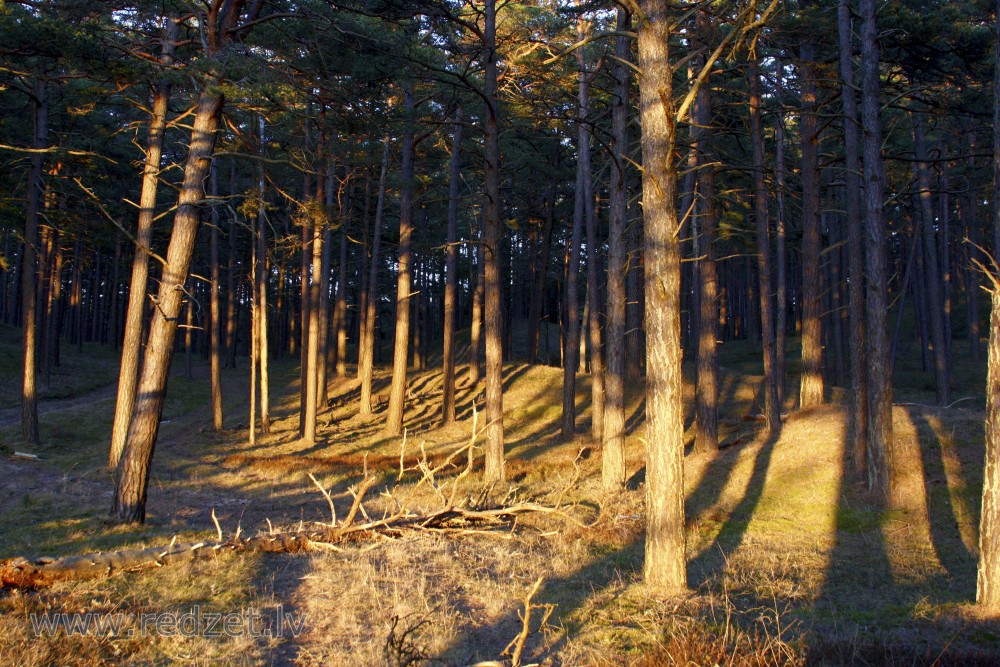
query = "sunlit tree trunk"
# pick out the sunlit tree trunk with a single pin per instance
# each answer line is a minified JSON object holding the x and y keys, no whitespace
{"x":367,"y":344}
{"x":613,"y":451}
{"x":664,"y":566}
{"x":397,"y":392}
{"x":811,"y":383}
{"x":495,"y":469}
{"x":260,"y":296}
{"x":571,"y":309}
{"x":988,"y":582}
{"x":133,"y":470}
{"x":450,"y":279}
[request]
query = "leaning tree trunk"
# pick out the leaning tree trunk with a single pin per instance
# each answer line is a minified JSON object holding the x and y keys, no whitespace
{"x":855,"y":252}
{"x":772,"y":409}
{"x":134,"y":465}
{"x":367,"y":343}
{"x":450,"y":279}
{"x":879,"y":361}
{"x":397,"y":392}
{"x":132,"y":340}
{"x":613,"y":451}
{"x":664,"y":565}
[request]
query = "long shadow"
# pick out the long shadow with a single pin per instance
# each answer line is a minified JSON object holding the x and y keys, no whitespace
{"x":942,"y":514}
{"x":702,"y":568}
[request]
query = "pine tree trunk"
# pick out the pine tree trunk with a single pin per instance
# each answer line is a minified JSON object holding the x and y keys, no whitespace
{"x":495,"y":470}
{"x":780,"y":255}
{"x":367,"y":344}
{"x":879,"y":363}
{"x":231,"y":286}
{"x":260,"y":298}
{"x":664,"y":567}
{"x":214,"y":310}
{"x":707,"y":389}
{"x":450,"y":279}
{"x":988,"y":581}
{"x":571,"y":348}
{"x":772,"y":409}
{"x":397,"y":392}
{"x":811,"y":388}
{"x":54,"y":297}
{"x":29,"y":292}
{"x":613,"y":473}
{"x":134,"y":465}
{"x":131,"y":341}
{"x":476,"y":326}
{"x":931,"y":264}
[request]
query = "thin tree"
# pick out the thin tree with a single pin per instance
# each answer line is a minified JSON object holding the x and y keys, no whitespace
{"x":613,"y":451}
{"x":214,"y":309}
{"x":366,"y":345}
{"x":450,"y":279}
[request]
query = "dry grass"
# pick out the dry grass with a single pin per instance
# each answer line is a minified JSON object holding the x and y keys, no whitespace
{"x":790,"y":561}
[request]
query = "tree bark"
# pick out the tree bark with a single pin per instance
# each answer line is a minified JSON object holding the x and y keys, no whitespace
{"x":367,"y":343}
{"x":571,"y":348}
{"x":772,"y":409}
{"x":131,"y":342}
{"x":133,"y":470}
{"x":988,"y":581}
{"x":397,"y":392}
{"x":780,"y":255}
{"x":450,"y":279}
{"x":876,"y":307}
{"x":495,"y":469}
{"x":664,"y":566}
{"x":215,"y":323}
{"x":613,"y":472}
{"x":811,"y":387}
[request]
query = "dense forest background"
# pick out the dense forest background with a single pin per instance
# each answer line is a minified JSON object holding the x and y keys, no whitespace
{"x":472,"y":190}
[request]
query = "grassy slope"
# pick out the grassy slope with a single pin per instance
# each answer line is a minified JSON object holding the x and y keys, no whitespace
{"x":789,"y":558}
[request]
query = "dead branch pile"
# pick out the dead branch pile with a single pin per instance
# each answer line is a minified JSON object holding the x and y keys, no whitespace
{"x":453,"y":516}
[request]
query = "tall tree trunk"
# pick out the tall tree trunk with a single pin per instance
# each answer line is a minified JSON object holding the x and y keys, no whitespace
{"x":476,"y":326}
{"x":260,"y":294}
{"x":397,"y":392}
{"x":811,"y":384}
{"x":876,"y":306}
{"x":780,"y":255}
{"x":988,"y":581}
{"x":613,"y":452}
{"x":367,"y":345}
{"x":132,"y":340}
{"x":495,"y":470}
{"x":340,"y":305}
{"x":54,"y":298}
{"x":855,"y":252}
{"x":772,"y":409}
{"x":324,"y":196}
{"x":231,"y":285}
{"x":450,"y":279}
{"x":707,"y":389}
{"x":932,"y":265}
{"x":29,"y":275}
{"x":571,"y":351}
{"x":133,"y":470}
{"x":214,"y":310}
{"x":664,"y":566}
{"x":314,"y":338}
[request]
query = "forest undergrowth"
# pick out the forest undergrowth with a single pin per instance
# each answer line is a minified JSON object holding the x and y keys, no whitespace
{"x":790,"y":560}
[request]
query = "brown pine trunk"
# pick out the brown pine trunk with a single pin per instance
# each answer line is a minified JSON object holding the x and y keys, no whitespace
{"x":260,"y":297}
{"x":811,"y":388}
{"x":707,"y":389}
{"x":53,"y":308}
{"x":132,"y":339}
{"x":664,"y":566}
{"x":366,"y":346}
{"x":932,"y":265}
{"x":879,"y":363}
{"x":571,"y":308}
{"x":231,"y":285}
{"x":450,"y":279}
{"x":780,"y":256}
{"x":772,"y":409}
{"x":340,"y":306}
{"x":613,"y":472}
{"x":495,"y":469}
{"x":133,"y":470}
{"x":397,"y":392}
{"x":855,"y":251}
{"x":476,"y":327}
{"x":313,"y":338}
{"x":214,"y":310}
{"x":988,"y":581}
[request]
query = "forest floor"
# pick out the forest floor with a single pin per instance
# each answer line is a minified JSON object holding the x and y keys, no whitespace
{"x":790,"y":560}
